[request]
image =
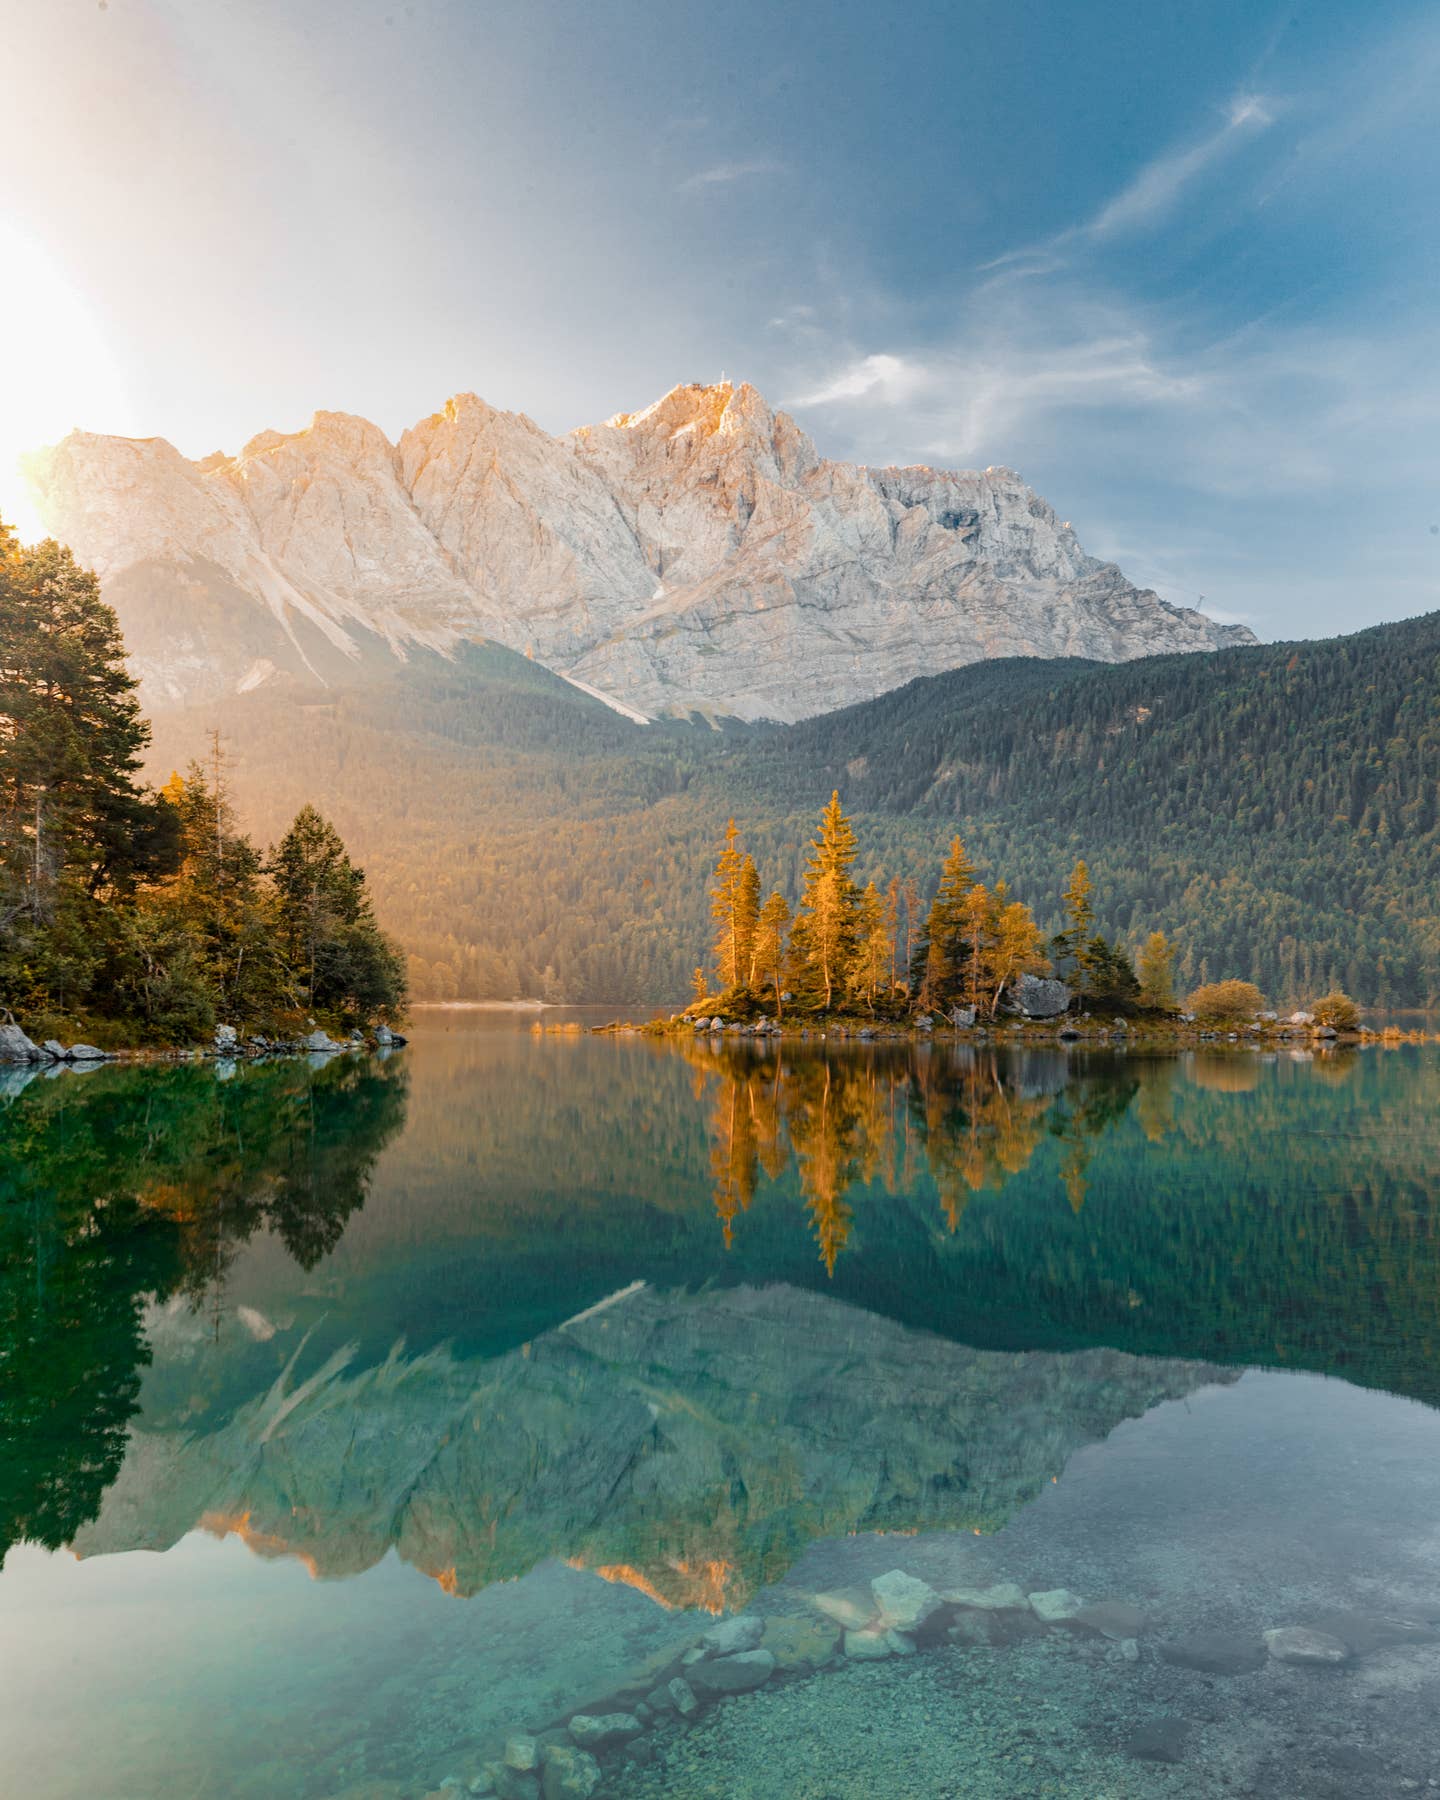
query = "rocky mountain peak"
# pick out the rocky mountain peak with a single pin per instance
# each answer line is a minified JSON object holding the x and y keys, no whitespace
{"x":698,"y":554}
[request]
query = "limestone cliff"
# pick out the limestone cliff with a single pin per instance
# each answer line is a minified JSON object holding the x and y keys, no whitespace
{"x":698,"y":555}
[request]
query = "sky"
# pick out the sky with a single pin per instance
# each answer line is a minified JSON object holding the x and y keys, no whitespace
{"x":1176,"y":264}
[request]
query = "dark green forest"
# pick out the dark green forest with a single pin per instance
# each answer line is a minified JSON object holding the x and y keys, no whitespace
{"x":1272,"y":809}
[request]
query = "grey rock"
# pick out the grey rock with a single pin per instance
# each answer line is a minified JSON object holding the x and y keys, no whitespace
{"x":1038,"y":998}
{"x":1215,"y":1652}
{"x":521,"y":1751}
{"x":589,"y":1731}
{"x":682,"y":1697}
{"x":383,"y":1034}
{"x":1056,"y":1606}
{"x":868,"y":1646}
{"x":226,"y":1038}
{"x":87,"y":1053}
{"x":1301,"y":1644}
{"x":1363,"y":1633}
{"x":16,"y":1047}
{"x":904,"y":1602}
{"x":319,"y":1041}
{"x":962,"y":1017}
{"x":569,"y":1774}
{"x":1113,"y":1619}
{"x":54,"y":1049}
{"x":733,"y":1674}
{"x":1004,"y":1596}
{"x":513,"y":1784}
{"x":732,"y":1635}
{"x":1159,"y":1740}
{"x":1130,"y":1649}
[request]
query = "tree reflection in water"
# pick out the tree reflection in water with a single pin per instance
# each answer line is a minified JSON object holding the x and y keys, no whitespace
{"x":129,"y":1187}
{"x":969,"y":1116}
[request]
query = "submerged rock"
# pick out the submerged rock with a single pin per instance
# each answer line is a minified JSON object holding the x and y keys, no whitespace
{"x":1113,"y":1619}
{"x":1299,"y":1644}
{"x":732,"y":1635}
{"x":682,"y":1697}
{"x":1005,"y":1596}
{"x":568,"y":1774}
{"x":589,"y":1731}
{"x":521,"y":1751}
{"x":868,"y":1646}
{"x":1056,"y":1606}
{"x":1159,"y":1740}
{"x":798,"y":1644}
{"x":904,"y":1602}
{"x":733,"y":1674}
{"x":853,"y":1608}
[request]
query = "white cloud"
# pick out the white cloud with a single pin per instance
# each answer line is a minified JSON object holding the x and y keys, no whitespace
{"x":723,"y":173}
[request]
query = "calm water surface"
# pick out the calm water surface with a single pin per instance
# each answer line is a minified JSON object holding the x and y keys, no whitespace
{"x":356,"y":1417}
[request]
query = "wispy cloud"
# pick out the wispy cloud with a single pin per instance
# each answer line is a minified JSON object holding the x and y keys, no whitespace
{"x":1151,"y":194}
{"x":720,"y":174}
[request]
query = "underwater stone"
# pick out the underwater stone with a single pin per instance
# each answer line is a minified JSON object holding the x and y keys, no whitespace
{"x":905,"y":1602}
{"x":521,"y":1752}
{"x":1298,"y":1644}
{"x":868,"y":1646}
{"x":514,"y":1784}
{"x":1005,"y":1596}
{"x":1056,"y":1606}
{"x":1112,"y":1619}
{"x":800,"y":1643}
{"x":900,"y":1642}
{"x":853,"y":1608}
{"x":1130,"y":1649}
{"x":1159,"y":1740}
{"x":733,"y":1674}
{"x":682,"y":1697}
{"x":609,"y":1728}
{"x":732,"y":1635}
{"x":569,"y":1774}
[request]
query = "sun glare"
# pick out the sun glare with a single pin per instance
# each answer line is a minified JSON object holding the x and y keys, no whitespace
{"x":59,"y":372}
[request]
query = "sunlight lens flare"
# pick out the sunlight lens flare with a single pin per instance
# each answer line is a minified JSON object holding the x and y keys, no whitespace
{"x":60,"y":373}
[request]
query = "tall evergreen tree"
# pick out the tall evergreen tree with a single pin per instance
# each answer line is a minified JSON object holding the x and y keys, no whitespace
{"x":770,"y":945}
{"x":326,"y":923}
{"x":823,"y":938}
{"x":725,"y":910}
{"x":1156,"y":972}
{"x":1071,"y":945}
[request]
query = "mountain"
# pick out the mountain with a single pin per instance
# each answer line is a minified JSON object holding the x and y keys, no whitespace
{"x":699,"y":555}
{"x":1274,"y":807}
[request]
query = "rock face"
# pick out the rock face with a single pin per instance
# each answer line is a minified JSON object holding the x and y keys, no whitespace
{"x":698,"y":555}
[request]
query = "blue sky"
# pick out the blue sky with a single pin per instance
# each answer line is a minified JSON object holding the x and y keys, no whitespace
{"x":1175,"y":263}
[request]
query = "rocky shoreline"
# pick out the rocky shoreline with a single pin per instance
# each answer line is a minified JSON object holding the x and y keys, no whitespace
{"x":636,"y":1731}
{"x":226,"y":1046}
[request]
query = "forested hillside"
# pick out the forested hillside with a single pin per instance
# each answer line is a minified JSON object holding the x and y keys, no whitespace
{"x":1274,"y":809}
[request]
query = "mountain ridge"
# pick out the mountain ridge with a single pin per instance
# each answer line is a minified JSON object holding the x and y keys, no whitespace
{"x":696,"y":556}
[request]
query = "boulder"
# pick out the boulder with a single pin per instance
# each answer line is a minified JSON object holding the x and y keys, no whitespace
{"x":1056,"y":1606}
{"x":319,"y":1041}
{"x":1301,"y":1644}
{"x":904,"y":1601}
{"x":1038,"y":998}
{"x":16,"y":1047}
{"x":589,"y":1731}
{"x":87,"y":1053}
{"x":513,"y":1784}
{"x":854,"y":1608}
{"x":962,"y":1017}
{"x":521,"y":1751}
{"x":54,"y":1049}
{"x":383,"y":1035}
{"x":682,"y":1697}
{"x":868,"y":1646}
{"x":733,"y":1674}
{"x":1005,"y":1596}
{"x":734,"y":1635}
{"x":798,"y":1644}
{"x":1113,"y":1619}
{"x":227,"y":1039}
{"x":568,"y":1774}
{"x":1301,"y":1018}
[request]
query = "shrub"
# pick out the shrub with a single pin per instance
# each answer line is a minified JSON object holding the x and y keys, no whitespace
{"x":1337,"y":1010}
{"x":1226,"y":1002}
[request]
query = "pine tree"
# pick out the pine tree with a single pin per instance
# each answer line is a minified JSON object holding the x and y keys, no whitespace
{"x":724,"y":910}
{"x":1017,"y":947}
{"x":824,"y":936}
{"x":871,"y":961}
{"x":770,"y":945}
{"x":326,"y":923}
{"x":1070,"y":946}
{"x":1156,"y":971}
{"x":747,"y":921}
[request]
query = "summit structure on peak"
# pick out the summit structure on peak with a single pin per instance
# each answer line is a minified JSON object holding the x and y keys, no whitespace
{"x":697,"y":556}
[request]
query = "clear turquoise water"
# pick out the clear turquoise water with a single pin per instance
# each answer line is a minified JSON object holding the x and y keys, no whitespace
{"x":355,"y":1416}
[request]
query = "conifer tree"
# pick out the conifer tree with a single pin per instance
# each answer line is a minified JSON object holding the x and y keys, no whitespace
{"x":873,"y":947}
{"x":747,"y":921}
{"x":1156,"y":972}
{"x":1071,"y":946}
{"x":823,"y":939}
{"x":770,"y":945}
{"x":725,"y":910}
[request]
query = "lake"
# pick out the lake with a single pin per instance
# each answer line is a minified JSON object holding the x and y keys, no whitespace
{"x":361,"y":1417}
